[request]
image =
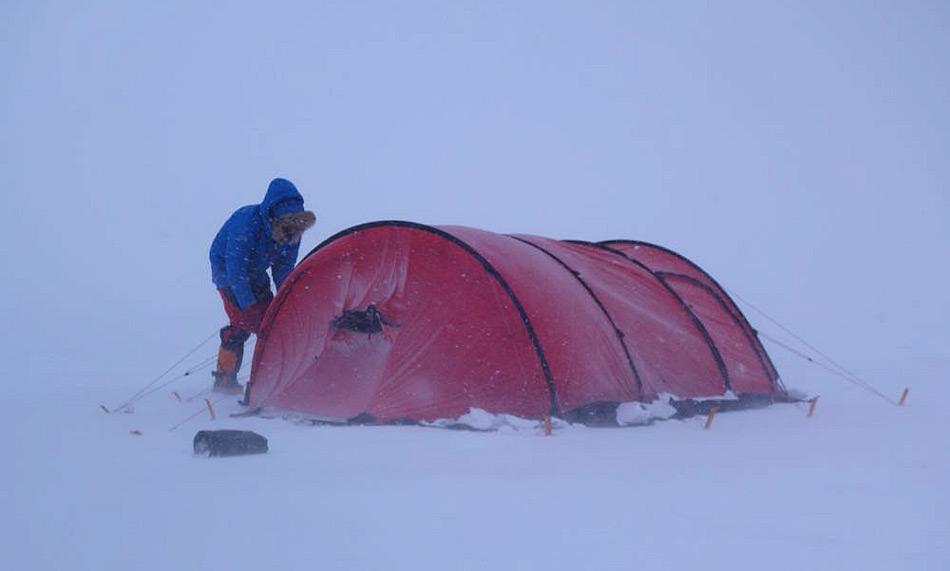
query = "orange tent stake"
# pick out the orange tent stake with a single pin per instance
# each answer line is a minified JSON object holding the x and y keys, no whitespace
{"x":710,"y":416}
{"x":811,"y":406}
{"x":903,"y":397}
{"x":547,"y":426}
{"x":210,"y":408}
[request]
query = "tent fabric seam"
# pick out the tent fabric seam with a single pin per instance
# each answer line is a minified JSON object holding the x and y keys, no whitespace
{"x":620,"y":333}
{"x":486,"y":265}
{"x":722,"y":303}
{"x":717,"y":356}
{"x":757,"y":347}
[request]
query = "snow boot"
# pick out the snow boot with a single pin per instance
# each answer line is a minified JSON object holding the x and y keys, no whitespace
{"x":230,"y":355}
{"x":226,"y":383}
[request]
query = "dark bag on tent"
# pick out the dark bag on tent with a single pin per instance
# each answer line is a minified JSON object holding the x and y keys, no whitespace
{"x":369,"y":320}
{"x":229,"y":443}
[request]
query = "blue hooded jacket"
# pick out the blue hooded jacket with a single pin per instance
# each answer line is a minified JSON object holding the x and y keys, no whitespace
{"x":244,"y":249}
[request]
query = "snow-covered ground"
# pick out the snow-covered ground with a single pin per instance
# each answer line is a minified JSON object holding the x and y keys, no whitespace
{"x":795,"y":150}
{"x":861,"y":485}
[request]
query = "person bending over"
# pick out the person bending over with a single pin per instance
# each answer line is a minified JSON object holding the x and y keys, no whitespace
{"x":254,"y":238}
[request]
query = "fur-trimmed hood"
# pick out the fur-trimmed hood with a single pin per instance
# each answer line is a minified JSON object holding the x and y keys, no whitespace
{"x":245,"y":246}
{"x":288,"y":228}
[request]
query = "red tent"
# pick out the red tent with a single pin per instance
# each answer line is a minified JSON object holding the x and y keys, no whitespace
{"x":393,"y":321}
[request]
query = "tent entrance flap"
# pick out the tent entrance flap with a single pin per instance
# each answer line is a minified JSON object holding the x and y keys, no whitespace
{"x":368,"y":320}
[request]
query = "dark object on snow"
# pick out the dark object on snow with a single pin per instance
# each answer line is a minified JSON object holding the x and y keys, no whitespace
{"x":369,"y":320}
{"x":229,"y":443}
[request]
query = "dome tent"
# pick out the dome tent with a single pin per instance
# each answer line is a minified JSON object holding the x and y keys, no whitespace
{"x":397,"y":321}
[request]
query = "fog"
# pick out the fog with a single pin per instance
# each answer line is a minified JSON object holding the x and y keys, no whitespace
{"x":797,"y":152}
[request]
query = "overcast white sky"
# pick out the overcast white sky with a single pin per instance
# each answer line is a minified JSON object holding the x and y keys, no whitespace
{"x":797,"y":151}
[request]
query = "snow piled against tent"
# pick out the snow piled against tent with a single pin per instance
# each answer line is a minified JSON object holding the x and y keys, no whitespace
{"x":628,"y":414}
{"x":634,"y":413}
{"x":478,"y":419}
